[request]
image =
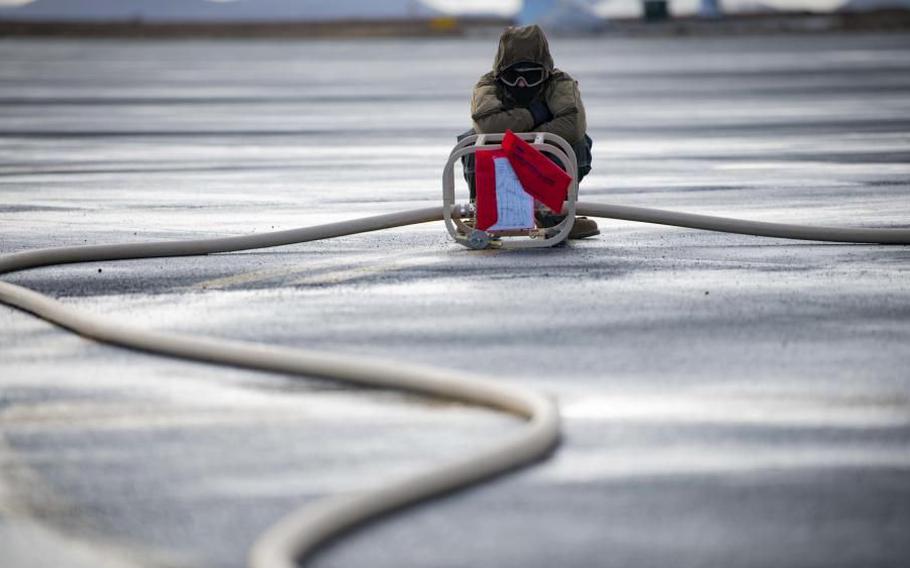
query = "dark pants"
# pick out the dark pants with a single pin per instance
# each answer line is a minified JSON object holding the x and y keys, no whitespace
{"x":582,"y":154}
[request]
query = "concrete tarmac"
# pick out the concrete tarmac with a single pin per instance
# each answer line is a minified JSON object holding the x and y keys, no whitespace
{"x":728,"y":400}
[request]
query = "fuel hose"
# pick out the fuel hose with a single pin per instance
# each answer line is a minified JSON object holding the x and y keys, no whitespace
{"x":296,"y":537}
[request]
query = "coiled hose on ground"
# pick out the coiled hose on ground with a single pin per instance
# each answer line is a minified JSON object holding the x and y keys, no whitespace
{"x":297,"y":536}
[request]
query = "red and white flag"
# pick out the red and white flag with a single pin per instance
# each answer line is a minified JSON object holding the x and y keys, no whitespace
{"x":502,"y":203}
{"x":507,"y":182}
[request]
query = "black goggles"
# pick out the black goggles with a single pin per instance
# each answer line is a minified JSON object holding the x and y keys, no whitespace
{"x":523,"y":75}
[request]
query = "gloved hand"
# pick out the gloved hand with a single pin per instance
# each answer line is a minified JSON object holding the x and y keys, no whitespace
{"x":541,"y":112}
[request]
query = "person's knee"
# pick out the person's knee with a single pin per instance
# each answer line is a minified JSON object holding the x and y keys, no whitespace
{"x":583,"y":156}
{"x":467,"y":164}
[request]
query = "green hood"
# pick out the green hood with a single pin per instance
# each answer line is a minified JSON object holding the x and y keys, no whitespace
{"x":526,"y":43}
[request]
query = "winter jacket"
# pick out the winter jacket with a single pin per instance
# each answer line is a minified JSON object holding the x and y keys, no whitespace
{"x":494,"y":110}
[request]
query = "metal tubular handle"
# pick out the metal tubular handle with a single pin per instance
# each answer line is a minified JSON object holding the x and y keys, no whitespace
{"x":453,"y":212}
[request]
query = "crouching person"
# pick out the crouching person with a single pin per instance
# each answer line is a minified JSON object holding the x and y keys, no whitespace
{"x":525,"y":93}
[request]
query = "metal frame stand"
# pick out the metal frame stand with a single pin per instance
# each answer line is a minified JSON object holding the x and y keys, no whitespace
{"x":454,"y":213}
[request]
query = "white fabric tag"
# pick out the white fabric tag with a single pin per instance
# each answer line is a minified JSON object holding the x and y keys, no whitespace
{"x":514,"y":207}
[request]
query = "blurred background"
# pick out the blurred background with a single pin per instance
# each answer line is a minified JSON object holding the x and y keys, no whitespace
{"x":348,"y":17}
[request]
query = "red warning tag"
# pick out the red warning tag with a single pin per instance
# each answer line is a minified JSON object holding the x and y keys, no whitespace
{"x":539,"y":175}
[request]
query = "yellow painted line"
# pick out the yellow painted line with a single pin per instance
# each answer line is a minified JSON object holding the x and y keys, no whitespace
{"x":245,"y":278}
{"x":272,"y":273}
{"x":337,"y":269}
{"x":346,"y":275}
{"x":389,"y":264}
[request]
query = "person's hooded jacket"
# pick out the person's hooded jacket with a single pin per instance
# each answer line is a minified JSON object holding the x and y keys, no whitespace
{"x":493,"y":109}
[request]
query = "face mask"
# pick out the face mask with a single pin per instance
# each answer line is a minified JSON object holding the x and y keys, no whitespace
{"x":524,"y":95}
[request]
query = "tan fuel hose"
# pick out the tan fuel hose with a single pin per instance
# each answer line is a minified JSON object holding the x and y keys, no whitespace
{"x":90,"y":253}
{"x":743,"y":227}
{"x":295,"y":537}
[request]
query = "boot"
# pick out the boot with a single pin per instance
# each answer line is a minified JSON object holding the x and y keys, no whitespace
{"x":583,"y":228}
